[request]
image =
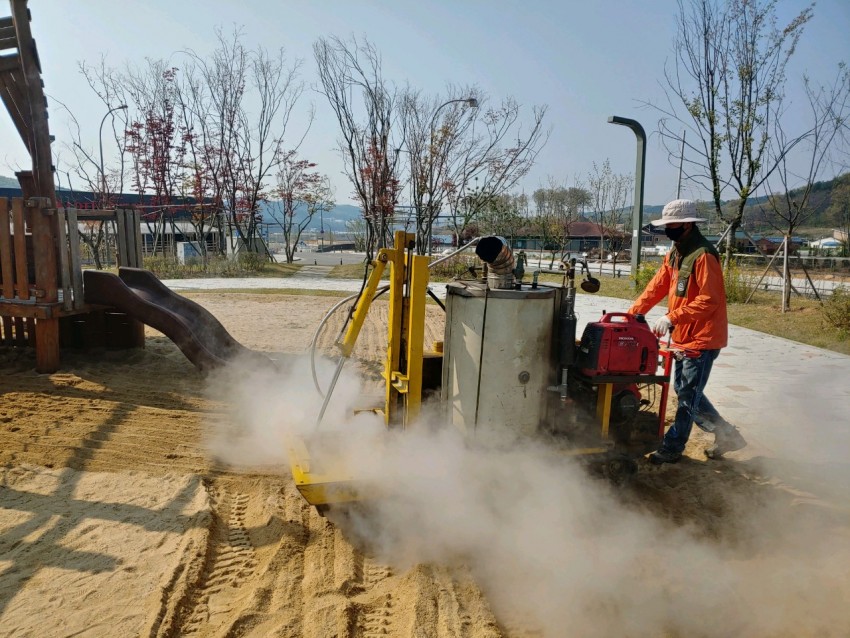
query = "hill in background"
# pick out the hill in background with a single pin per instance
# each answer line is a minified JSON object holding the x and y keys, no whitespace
{"x":336,"y":220}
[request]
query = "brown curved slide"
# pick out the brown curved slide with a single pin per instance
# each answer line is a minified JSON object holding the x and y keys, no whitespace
{"x":139,"y":294}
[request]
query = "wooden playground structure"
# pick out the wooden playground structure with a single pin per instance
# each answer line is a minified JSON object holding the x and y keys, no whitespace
{"x":42,"y":301}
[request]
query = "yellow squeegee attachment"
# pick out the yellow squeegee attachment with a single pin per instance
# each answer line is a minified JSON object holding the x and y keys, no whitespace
{"x":321,"y":481}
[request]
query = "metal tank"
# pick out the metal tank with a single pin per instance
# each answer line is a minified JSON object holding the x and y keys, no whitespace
{"x":498,"y":357}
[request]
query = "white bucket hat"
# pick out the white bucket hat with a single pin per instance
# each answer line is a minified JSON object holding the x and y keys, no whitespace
{"x":678,"y":211}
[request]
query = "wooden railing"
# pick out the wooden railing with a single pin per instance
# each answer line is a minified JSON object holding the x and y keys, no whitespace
{"x":15,"y":273}
{"x":41,"y":276}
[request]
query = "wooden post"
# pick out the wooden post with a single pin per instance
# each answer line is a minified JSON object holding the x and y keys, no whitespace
{"x":39,"y":138}
{"x":121,"y":239}
{"x":137,"y":237}
{"x":44,"y":233}
{"x":7,"y":273}
{"x":44,"y":252}
{"x":64,"y":269}
{"x":22,"y":284}
{"x":76,"y":267}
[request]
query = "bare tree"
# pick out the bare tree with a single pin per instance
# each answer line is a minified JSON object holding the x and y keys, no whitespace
{"x":365,"y":105}
{"x":502,"y":215}
{"x":299,"y":190}
{"x":609,"y":193}
{"x":240,"y":102}
{"x":85,"y":171}
{"x":357,"y":230}
{"x":547,"y":217}
{"x":790,"y":206}
{"x":489,"y":163}
{"x":106,"y":83}
{"x":155,"y":143}
{"x":434,"y":147}
{"x":726,"y":90}
{"x":557,"y":209}
{"x":214,"y":132}
{"x":576,"y":200}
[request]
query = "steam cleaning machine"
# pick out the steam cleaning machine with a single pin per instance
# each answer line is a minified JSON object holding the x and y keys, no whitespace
{"x":509,"y":366}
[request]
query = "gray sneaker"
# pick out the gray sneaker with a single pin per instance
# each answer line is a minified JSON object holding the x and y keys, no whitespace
{"x":726,"y":439}
{"x":663,"y":455}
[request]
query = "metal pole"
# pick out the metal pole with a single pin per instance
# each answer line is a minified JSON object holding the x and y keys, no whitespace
{"x":100,"y":143}
{"x":637,"y":214}
{"x":785,"y":281}
{"x":681,"y":161}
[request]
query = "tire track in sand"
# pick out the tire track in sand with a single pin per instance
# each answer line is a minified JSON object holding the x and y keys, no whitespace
{"x":376,"y":618}
{"x":231,"y":560}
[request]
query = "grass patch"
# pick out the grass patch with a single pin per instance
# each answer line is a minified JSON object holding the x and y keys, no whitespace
{"x":804,"y":322}
{"x":351,"y":271}
{"x":246,"y":265}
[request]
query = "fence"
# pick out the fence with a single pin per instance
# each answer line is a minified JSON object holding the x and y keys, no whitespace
{"x":40,"y":271}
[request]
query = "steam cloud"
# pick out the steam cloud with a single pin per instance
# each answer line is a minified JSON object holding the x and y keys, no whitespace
{"x":687,"y":550}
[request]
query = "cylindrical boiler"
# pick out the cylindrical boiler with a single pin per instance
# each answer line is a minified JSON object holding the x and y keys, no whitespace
{"x":498,"y":357}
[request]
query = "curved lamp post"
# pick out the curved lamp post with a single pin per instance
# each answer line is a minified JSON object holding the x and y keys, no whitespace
{"x":471,"y":102}
{"x":637,"y":215}
{"x":122,"y":107}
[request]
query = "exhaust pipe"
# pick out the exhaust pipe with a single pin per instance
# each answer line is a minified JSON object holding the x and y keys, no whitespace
{"x":495,"y":252}
{"x":590,"y":284}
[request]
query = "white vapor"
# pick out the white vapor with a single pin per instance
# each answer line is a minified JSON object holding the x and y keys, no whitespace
{"x":549,"y":543}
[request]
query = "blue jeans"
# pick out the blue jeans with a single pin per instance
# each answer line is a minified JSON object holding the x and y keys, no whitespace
{"x":690,"y":377}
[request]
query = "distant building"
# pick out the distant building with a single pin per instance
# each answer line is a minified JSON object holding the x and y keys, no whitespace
{"x":583,"y":236}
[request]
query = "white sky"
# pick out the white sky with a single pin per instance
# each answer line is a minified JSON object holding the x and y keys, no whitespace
{"x":586,"y":60}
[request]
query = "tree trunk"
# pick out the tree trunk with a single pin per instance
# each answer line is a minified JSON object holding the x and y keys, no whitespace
{"x":786,"y":275}
{"x":730,"y":241}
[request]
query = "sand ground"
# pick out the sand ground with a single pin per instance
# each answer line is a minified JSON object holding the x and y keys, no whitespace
{"x":115,"y":519}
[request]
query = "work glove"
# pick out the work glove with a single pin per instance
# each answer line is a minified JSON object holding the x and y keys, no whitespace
{"x":662,"y":326}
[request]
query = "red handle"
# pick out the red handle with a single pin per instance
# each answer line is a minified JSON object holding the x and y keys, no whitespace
{"x":609,"y":315}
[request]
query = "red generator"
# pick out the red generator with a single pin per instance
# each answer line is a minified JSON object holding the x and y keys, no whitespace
{"x":619,"y":343}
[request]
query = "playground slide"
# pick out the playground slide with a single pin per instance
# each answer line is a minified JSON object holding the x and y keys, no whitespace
{"x":139,"y":294}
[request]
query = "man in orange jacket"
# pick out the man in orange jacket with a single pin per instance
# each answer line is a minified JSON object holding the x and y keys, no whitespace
{"x":692,"y":281}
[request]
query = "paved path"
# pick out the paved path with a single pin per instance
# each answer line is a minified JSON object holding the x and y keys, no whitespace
{"x":791,"y":400}
{"x":298,"y":282}
{"x":315,"y":271}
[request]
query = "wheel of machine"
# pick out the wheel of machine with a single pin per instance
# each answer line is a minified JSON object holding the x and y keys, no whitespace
{"x":619,"y":470}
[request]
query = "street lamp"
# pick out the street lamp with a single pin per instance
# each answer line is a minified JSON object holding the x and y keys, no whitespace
{"x":122,"y":107}
{"x":637,"y":214}
{"x":471,"y":102}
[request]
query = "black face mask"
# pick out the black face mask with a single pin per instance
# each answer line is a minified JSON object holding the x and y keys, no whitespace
{"x":674,"y":233}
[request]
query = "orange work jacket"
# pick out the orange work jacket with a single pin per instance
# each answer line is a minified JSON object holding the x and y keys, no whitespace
{"x":699,"y":318}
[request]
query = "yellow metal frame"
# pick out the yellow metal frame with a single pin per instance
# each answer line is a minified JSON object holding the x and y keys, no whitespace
{"x":405,"y":330}
{"x":409,"y":278}
{"x":603,"y":406}
{"x":405,"y":333}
